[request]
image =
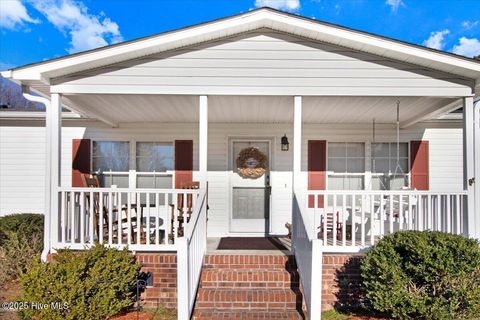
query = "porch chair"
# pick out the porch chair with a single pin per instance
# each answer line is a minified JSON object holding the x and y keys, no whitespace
{"x":330,"y":227}
{"x":91,"y":181}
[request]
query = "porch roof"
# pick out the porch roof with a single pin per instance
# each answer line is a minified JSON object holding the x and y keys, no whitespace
{"x":259,"y":109}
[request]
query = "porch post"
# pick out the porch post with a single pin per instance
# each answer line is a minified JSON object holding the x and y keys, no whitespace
{"x":297,"y":141}
{"x":469,"y":166}
{"x":203,"y":141}
{"x":55,"y":133}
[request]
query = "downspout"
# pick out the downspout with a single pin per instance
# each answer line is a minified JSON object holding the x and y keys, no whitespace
{"x":47,"y":215}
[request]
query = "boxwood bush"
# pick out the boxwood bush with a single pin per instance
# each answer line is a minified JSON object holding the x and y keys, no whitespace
{"x":21,"y":241}
{"x":94,"y":284}
{"x":424,"y":275}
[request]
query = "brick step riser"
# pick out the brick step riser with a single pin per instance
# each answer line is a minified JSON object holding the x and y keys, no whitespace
{"x":246,"y":296}
{"x":246,"y":315}
{"x":267,"y":261}
{"x":251,"y":306}
{"x":247,"y":285}
{"x":249,"y":275}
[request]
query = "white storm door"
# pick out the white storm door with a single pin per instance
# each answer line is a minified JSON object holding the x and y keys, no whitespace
{"x":250,"y":196}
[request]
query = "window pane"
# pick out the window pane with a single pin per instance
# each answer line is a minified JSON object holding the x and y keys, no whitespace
{"x":353,"y":183}
{"x":110,"y":156}
{"x":107,"y":180}
{"x":356,"y":165}
{"x":336,"y":149}
{"x":356,"y":150}
{"x":335,"y":183}
{"x":380,"y":166}
{"x":337,"y":165}
{"x":403,"y":165}
{"x":378,"y":183}
{"x":380,"y":150}
{"x":154,"y":156}
{"x":403,"y":148}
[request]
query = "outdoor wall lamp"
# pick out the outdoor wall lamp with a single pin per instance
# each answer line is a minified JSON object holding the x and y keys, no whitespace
{"x":285,"y":143}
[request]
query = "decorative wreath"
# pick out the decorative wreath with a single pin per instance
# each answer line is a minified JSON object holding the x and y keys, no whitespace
{"x":251,"y":163}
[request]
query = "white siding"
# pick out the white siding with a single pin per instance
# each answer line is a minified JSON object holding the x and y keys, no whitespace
{"x":265,"y":63}
{"x":22,"y":154}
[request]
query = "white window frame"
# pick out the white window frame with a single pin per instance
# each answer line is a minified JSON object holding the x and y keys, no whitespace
{"x":344,"y":174}
{"x":367,"y":174}
{"x":132,"y":172}
{"x":406,"y":174}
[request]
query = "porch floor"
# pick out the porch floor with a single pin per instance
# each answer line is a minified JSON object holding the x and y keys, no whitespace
{"x":249,"y":245}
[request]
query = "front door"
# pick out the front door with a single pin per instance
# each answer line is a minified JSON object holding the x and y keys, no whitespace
{"x":250,"y":189}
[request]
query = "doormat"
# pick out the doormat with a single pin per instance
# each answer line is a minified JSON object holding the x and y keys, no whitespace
{"x":247,"y":243}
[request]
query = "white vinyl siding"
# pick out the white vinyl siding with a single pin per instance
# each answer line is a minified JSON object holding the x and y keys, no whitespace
{"x":266,"y":63}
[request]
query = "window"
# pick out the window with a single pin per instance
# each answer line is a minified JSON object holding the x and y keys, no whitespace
{"x":386,"y":175}
{"x":110,"y":160}
{"x":153,"y":160}
{"x":154,"y":156}
{"x":346,"y":166}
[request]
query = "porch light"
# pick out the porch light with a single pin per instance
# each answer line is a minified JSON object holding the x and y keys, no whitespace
{"x":285,"y":143}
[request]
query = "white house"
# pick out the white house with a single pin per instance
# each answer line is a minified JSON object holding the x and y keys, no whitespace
{"x":372,"y":148}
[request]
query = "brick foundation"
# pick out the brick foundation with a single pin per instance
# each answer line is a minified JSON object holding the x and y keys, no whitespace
{"x":163,"y":266}
{"x":341,"y":281}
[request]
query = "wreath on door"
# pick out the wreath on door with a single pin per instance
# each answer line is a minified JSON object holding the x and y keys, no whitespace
{"x":251,"y":163}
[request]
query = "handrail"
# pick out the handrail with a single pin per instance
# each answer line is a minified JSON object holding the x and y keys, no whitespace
{"x":383,"y":192}
{"x":129,"y":190}
{"x":190,"y":228}
{"x":301,"y":204}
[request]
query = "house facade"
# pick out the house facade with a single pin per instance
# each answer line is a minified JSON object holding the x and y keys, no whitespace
{"x":280,"y":119}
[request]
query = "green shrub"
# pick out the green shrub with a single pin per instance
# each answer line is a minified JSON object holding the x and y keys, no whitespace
{"x":27,"y":224}
{"x":94,"y":284}
{"x":21,"y":242}
{"x":424,"y":275}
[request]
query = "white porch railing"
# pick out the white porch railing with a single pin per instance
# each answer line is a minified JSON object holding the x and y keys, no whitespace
{"x":308,"y":254}
{"x":190,"y":255}
{"x":142,"y":219}
{"x":352,"y":220}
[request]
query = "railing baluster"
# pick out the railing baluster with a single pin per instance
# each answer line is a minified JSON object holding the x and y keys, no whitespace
{"x":82,"y":218}
{"x":335,"y":222}
{"x":168,"y":222}
{"x":129,"y":218}
{"x":390,"y":200}
{"x":419,"y":220}
{"x":175,"y":216}
{"x":372,"y":218}
{"x":382,"y":213}
{"x":325,"y":220}
{"x":147,"y":223}
{"x":448,"y":214}
{"x":439,"y":213}
{"x":344,"y":224}
{"x":429,"y":212}
{"x":63,"y":214}
{"x":316,"y":216}
{"x":72,"y":212}
{"x":157,"y":216}
{"x":110,"y":218}
{"x":457,"y":213}
{"x":91,"y":216}
{"x":353,"y":198}
{"x":139,"y":217}
{"x":409,"y":213}
{"x":362,"y":226}
{"x":100,"y":223}
{"x":400,"y":212}
{"x":119,"y":217}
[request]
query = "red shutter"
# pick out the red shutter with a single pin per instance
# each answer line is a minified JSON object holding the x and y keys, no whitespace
{"x":317,"y":166}
{"x":419,"y":166}
{"x":183,"y":162}
{"x":80,"y":160}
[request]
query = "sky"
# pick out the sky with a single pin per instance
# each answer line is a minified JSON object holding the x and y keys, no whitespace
{"x":38,"y":30}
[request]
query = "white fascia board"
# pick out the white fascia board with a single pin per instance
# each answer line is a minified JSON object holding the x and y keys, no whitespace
{"x":235,"y":25}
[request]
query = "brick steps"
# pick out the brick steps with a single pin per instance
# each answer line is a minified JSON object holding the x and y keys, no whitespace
{"x":247,"y":315}
{"x":249,"y":278}
{"x":248,"y":287}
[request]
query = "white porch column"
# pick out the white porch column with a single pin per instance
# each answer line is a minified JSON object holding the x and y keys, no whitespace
{"x":476,"y":160}
{"x":297,"y":141}
{"x":55,"y":132}
{"x":203,"y":141}
{"x":469,"y":166}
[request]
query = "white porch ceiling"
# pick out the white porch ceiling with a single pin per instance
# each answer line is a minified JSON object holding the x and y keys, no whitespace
{"x":254,"y":109}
